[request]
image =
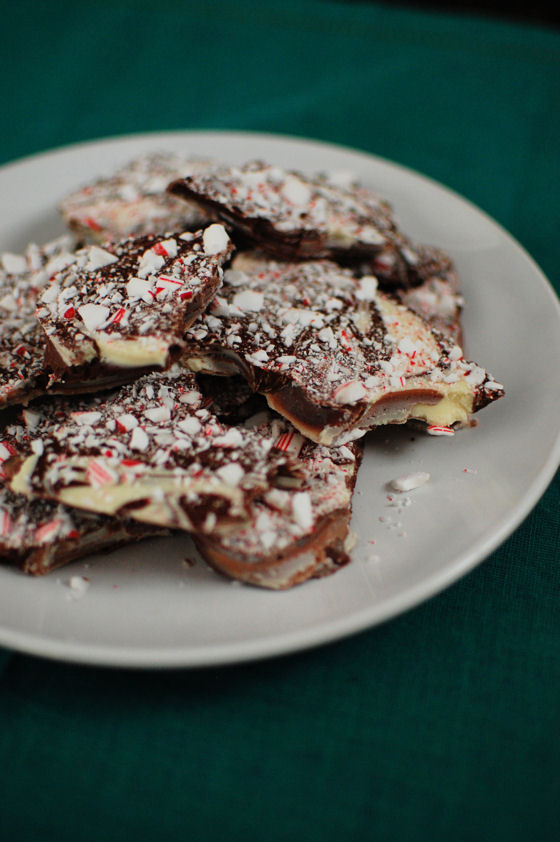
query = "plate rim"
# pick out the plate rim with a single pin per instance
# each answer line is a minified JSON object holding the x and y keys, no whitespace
{"x":285,"y":643}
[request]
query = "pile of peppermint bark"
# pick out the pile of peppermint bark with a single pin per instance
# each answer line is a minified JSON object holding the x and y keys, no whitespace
{"x":206,"y":350}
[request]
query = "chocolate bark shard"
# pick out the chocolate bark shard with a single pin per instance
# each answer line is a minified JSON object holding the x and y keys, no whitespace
{"x":132,"y":202}
{"x":331,"y":353}
{"x":116,"y":311}
{"x":38,"y":536}
{"x":292,"y":535}
{"x":436,"y":296}
{"x":291,"y":215}
{"x":152,"y":451}
{"x":22,"y":343}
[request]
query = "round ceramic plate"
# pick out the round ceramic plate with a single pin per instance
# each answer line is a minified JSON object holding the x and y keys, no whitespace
{"x":146,"y":607}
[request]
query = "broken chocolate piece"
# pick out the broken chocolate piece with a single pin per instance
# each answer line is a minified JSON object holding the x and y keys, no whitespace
{"x":152,"y":451}
{"x":331,"y":353}
{"x":38,"y":536}
{"x":290,"y":215}
{"x":132,"y":202}
{"x":292,"y":535}
{"x":22,"y":343}
{"x":116,"y":311}
{"x":436,"y":296}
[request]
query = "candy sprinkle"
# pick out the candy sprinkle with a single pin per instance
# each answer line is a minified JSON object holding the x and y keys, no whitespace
{"x":437,"y":430}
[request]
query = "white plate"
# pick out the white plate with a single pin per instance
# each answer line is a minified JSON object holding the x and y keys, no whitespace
{"x":144,"y":607}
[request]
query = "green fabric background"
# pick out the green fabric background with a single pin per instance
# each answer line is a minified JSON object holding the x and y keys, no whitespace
{"x":443,"y":724}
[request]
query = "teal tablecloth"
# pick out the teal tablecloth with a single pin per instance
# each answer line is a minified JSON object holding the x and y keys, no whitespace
{"x":443,"y":724}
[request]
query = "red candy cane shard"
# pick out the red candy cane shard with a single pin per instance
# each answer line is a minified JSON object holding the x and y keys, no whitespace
{"x":118,"y":315}
{"x":47,"y":530}
{"x":289,"y":442}
{"x":437,"y":430}
{"x":6,"y":524}
{"x":98,"y":474}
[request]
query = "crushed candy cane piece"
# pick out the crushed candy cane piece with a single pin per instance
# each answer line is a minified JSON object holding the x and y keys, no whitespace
{"x":409,"y":481}
{"x":350,"y":392}
{"x":438,"y":430}
{"x":78,"y":586}
{"x":215,"y":239}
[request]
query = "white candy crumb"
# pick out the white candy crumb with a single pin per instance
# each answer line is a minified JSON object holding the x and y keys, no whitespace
{"x":78,"y":586}
{"x":249,"y":300}
{"x":367,"y":288}
{"x":97,"y":258}
{"x":14,"y":264}
{"x":215,"y":239}
{"x":139,"y":439}
{"x":409,"y":481}
{"x":295,"y":191}
{"x":350,"y":392}
{"x":231,"y":474}
{"x":302,"y":510}
{"x":93,"y":315}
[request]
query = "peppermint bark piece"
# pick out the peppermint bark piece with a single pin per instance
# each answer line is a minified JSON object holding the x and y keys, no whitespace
{"x":22,"y":343}
{"x":290,"y":215}
{"x":292,"y":535}
{"x":116,"y":311}
{"x":38,"y":536}
{"x":152,"y":451}
{"x":436,"y":297}
{"x":331,"y":353}
{"x":132,"y":202}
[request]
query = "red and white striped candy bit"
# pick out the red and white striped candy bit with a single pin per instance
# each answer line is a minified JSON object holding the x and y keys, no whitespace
{"x":99,"y":474}
{"x":439,"y":430}
{"x":167,"y":284}
{"x":167,"y":279}
{"x":118,"y":316}
{"x":6,"y":450}
{"x":349,"y":392}
{"x":47,"y":530}
{"x":290,"y":442}
{"x":6,"y":524}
